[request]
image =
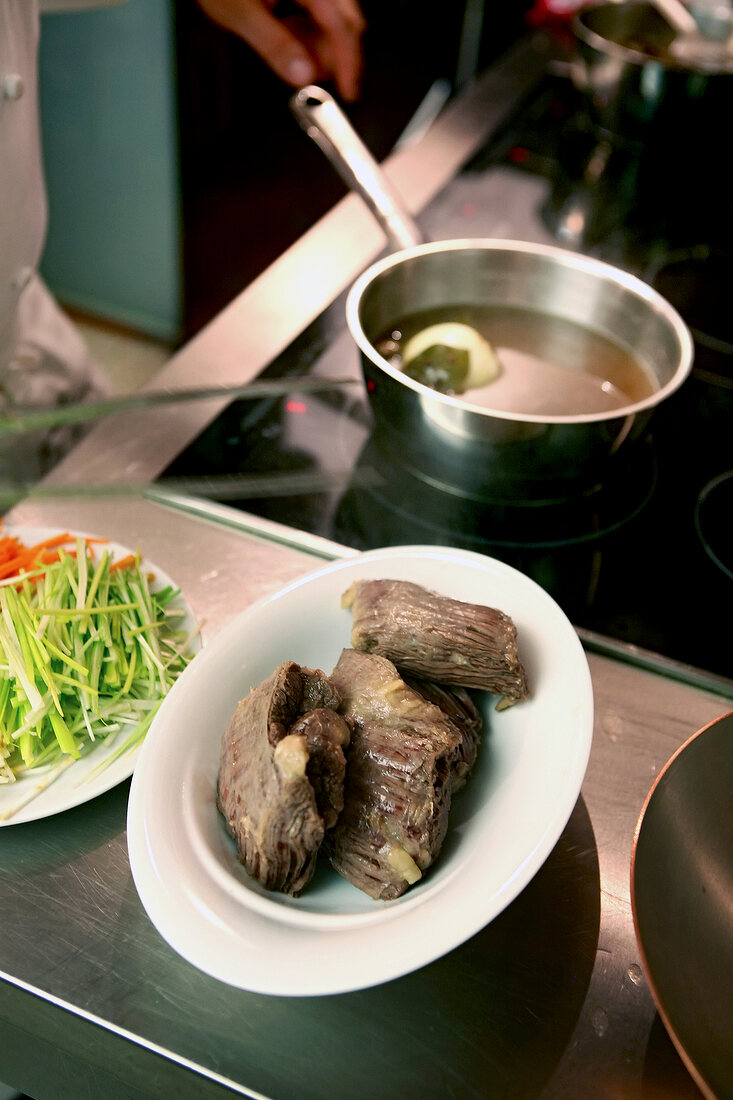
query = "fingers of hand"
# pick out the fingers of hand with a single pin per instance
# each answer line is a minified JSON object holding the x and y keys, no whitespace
{"x":268,"y":36}
{"x":325,"y":43}
{"x":340,"y":26}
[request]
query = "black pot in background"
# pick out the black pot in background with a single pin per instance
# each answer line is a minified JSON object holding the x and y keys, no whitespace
{"x":637,"y":90}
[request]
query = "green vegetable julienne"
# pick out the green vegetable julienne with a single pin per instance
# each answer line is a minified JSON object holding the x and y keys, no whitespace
{"x":87,"y":654}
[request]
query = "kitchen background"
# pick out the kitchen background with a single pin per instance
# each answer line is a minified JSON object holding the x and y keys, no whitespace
{"x":175,"y":170}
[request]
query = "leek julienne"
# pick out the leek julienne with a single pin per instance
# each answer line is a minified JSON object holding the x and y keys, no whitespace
{"x":88,"y":650}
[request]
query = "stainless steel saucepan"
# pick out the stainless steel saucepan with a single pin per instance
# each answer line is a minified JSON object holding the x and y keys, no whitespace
{"x":644,"y":80}
{"x":454,"y":442}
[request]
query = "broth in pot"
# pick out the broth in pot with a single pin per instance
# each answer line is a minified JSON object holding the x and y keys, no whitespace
{"x":516,"y":360}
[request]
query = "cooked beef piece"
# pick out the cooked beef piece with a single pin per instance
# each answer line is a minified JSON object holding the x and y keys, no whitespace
{"x":318,"y":691}
{"x":281,"y":775}
{"x":437,"y":638}
{"x":398,"y":778}
{"x":456,"y":704}
{"x":327,"y":735}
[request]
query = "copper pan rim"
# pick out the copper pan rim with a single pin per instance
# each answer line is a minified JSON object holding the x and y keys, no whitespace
{"x":695,"y":1070}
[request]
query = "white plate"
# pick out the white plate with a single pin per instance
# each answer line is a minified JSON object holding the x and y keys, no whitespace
{"x":334,"y":938}
{"x":81,"y":781}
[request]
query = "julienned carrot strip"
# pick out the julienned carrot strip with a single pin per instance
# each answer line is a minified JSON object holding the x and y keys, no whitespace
{"x":47,"y":556}
{"x":23,"y":562}
{"x":27,"y":555}
{"x":49,"y":543}
{"x":15,"y":565}
{"x":24,"y":557}
{"x":9,"y":551}
{"x":9,"y":546}
{"x":50,"y":557}
{"x":123,"y":563}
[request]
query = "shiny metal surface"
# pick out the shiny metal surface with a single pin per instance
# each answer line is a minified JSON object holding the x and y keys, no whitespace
{"x":519,"y":453}
{"x":682,"y":900}
{"x":549,"y":1001}
{"x":677,"y":15}
{"x":635,"y":83}
{"x":324,"y":122}
{"x":546,"y":999}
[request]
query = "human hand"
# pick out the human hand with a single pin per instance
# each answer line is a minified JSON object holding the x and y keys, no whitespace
{"x":321,"y":42}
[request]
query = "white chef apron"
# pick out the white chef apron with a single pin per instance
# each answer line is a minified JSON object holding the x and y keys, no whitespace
{"x":43,"y":359}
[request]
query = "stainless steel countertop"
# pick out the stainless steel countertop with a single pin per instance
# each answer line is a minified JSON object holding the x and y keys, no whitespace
{"x":549,"y":1000}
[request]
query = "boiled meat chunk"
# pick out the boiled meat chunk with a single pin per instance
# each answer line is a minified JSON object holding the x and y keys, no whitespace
{"x":281,"y":775}
{"x":401,"y":759}
{"x":459,"y":707}
{"x":437,"y":638}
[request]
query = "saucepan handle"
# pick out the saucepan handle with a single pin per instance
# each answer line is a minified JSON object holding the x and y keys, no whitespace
{"x":323,"y":120}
